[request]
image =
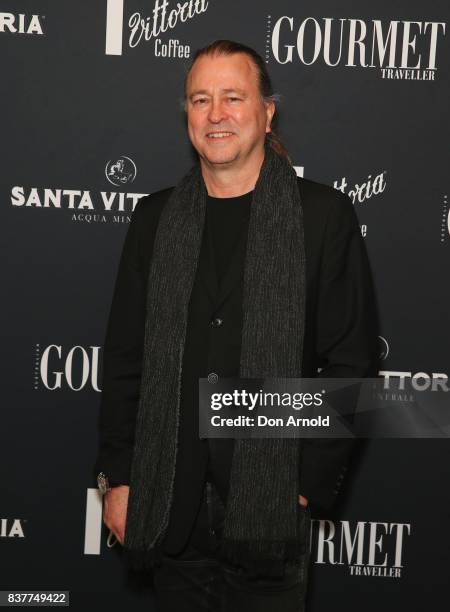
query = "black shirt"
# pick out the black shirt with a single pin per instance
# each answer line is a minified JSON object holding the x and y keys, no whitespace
{"x":226,"y":218}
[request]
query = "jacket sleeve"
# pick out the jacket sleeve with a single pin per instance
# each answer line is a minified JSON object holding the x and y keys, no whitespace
{"x":122,"y":362}
{"x":347,"y":343}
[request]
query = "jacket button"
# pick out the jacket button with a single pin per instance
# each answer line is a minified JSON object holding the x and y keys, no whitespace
{"x":216,"y":322}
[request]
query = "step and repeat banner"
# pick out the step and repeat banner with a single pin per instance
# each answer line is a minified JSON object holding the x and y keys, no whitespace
{"x":91,"y":121}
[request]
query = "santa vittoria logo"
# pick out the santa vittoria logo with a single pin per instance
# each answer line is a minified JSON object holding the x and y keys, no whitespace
{"x":397,"y":49}
{"x":12,"y":528}
{"x":21,"y":23}
{"x":85,"y":205}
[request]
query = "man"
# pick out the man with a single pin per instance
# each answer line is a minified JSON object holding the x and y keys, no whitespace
{"x":242,"y":269}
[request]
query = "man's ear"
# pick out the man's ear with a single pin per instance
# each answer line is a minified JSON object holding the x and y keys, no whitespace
{"x":270,"y":111}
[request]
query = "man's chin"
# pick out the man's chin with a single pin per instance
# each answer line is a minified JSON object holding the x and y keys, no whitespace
{"x":219,"y":159}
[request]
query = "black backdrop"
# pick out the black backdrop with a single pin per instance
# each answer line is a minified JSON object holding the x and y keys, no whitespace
{"x":91,"y":120}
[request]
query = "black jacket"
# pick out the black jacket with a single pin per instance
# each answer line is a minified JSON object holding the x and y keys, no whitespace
{"x":340,"y":340}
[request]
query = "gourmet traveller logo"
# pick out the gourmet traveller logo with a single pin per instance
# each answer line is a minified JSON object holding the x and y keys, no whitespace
{"x":57,"y":367}
{"x":365,"y":548}
{"x":398,"y":49}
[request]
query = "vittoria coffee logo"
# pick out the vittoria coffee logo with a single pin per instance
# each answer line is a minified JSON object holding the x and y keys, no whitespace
{"x":164,"y":17}
{"x":361,"y":192}
{"x":21,"y":24}
{"x":397,"y":49}
{"x":121,"y":171}
{"x":75,"y":368}
{"x":365,"y":548}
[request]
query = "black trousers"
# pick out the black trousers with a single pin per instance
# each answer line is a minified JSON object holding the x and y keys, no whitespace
{"x":199,"y":580}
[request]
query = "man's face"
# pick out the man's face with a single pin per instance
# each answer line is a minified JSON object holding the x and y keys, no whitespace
{"x":227,"y":119}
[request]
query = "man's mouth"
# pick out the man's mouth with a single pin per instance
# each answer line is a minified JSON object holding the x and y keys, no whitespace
{"x":219,"y":134}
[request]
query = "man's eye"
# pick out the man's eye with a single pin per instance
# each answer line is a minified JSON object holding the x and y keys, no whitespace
{"x":232,"y":99}
{"x":199,"y":101}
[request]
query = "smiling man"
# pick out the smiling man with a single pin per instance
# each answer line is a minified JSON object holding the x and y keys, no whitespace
{"x":227,"y":122}
{"x":241,"y":269}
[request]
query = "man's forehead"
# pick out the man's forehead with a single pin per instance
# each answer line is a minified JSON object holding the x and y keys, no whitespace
{"x":226,"y":72}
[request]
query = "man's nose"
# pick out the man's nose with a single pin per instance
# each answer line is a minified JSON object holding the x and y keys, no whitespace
{"x":216,"y":112}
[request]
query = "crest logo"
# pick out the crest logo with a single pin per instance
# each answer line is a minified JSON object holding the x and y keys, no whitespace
{"x":121,"y":171}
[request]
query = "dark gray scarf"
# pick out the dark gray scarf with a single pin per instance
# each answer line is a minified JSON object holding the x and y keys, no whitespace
{"x":263,"y":520}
